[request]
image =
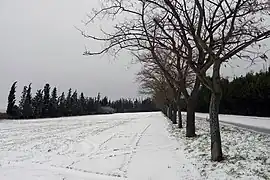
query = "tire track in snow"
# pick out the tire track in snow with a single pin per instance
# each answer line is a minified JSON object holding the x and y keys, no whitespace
{"x":47,"y":141}
{"x":97,"y":147}
{"x":128,"y":157}
{"x":48,"y":133}
{"x":44,"y":146}
{"x":59,"y":169}
{"x":37,"y":137}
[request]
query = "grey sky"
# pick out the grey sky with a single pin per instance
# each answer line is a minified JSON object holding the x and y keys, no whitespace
{"x":39,"y":44}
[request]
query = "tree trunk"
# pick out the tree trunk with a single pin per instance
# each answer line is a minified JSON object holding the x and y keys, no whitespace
{"x":216,"y":150}
{"x":170,"y":112}
{"x":179,"y":107}
{"x":180,"y":124}
{"x":190,"y":127}
{"x":174,"y":116}
{"x":164,"y":110}
{"x":191,"y":107}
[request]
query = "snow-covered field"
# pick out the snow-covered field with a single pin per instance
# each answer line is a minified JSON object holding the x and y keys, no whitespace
{"x":135,"y":146}
{"x":246,"y":153}
{"x":119,"y":146}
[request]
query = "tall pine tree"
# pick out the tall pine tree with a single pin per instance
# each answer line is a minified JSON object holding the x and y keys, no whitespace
{"x":97,"y":104}
{"x":11,"y":100}
{"x":46,"y":101}
{"x":27,"y":106}
{"x":82,"y":105}
{"x":38,"y":104}
{"x":62,"y":109}
{"x":90,"y":106}
{"x":53,"y":103}
{"x":23,"y":96}
{"x":104,"y":101}
{"x":69,"y":103}
{"x":74,"y":104}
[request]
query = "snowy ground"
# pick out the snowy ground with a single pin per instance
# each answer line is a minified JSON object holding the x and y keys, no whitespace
{"x":139,"y":146}
{"x":260,"y":122}
{"x":119,"y":146}
{"x":246,"y":153}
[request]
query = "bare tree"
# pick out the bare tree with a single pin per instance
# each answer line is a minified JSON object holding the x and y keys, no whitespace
{"x":154,"y":82}
{"x":159,"y":89}
{"x":203,"y":33}
{"x":218,"y":31}
{"x":140,"y":34}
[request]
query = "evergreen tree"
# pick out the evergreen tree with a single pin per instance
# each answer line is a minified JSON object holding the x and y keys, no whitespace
{"x":98,"y":97}
{"x":69,"y":103}
{"x":97,"y":104}
{"x":245,"y":95}
{"x":83,"y":105}
{"x":38,"y":104}
{"x":104,"y":101}
{"x":46,"y":104}
{"x":62,"y":110}
{"x":75,"y":104}
{"x":23,"y":96}
{"x":27,"y":106}
{"x":109,"y":103}
{"x":46,"y":101}
{"x":91,"y":106}
{"x":53,"y":103}
{"x":11,"y":100}
{"x":136,"y":105}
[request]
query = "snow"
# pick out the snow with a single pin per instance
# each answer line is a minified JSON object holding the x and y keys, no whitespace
{"x":133,"y":146}
{"x":246,"y":153}
{"x":120,"y":146}
{"x":261,"y":122}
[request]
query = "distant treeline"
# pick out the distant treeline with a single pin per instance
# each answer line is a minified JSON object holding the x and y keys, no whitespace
{"x":47,"y":104}
{"x":246,"y":95}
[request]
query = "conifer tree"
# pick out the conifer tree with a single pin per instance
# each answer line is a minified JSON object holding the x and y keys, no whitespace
{"x":11,"y":100}
{"x":74,"y":103}
{"x":27,"y":106}
{"x":91,"y":106}
{"x":97,"y":103}
{"x":82,"y":104}
{"x":62,"y":110}
{"x":69,"y":103}
{"x":23,"y":96}
{"x":46,"y":101}
{"x":53,"y":103}
{"x":38,"y":104}
{"x":104,"y":101}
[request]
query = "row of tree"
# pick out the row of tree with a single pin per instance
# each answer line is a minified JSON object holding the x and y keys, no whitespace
{"x":46,"y":103}
{"x":246,"y":95}
{"x":178,"y":42}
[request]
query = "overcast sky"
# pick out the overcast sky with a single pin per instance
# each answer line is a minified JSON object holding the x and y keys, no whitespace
{"x":39,"y":44}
